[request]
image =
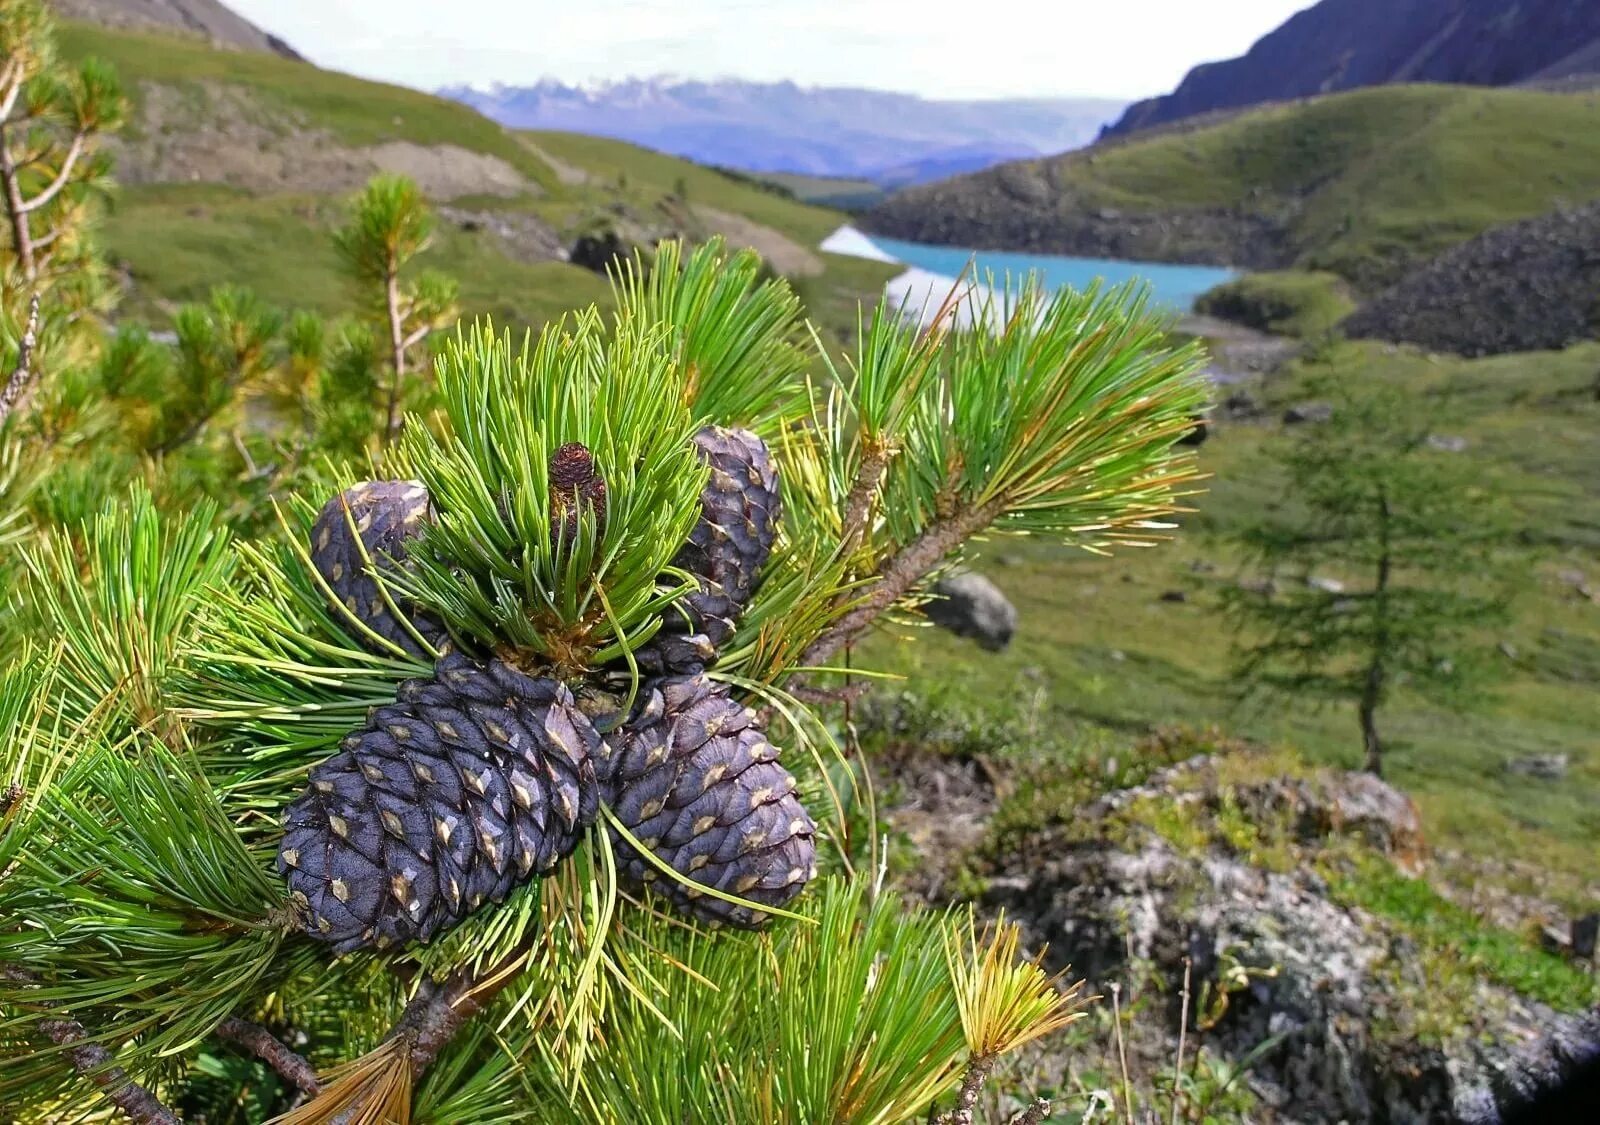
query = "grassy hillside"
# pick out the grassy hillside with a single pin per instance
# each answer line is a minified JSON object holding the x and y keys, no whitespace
{"x":1109,"y":644}
{"x":235,"y":168}
{"x":1360,"y":184}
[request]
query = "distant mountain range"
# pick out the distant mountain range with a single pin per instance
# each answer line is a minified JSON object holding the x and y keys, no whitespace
{"x":1344,"y":44}
{"x":890,"y":139}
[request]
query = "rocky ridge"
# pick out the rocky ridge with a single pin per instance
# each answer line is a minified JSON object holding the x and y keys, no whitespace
{"x":1525,"y":286}
{"x":204,"y":19}
{"x":1345,"y":44}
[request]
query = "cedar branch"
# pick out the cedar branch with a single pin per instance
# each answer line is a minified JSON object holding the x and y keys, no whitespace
{"x":16,"y":388}
{"x":901,"y":575}
{"x":97,"y":1065}
{"x":267,"y":1047}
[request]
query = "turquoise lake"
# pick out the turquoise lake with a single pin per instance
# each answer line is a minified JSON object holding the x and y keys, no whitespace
{"x":1174,"y":287}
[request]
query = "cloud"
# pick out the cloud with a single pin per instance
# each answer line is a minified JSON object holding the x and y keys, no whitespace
{"x":933,"y":47}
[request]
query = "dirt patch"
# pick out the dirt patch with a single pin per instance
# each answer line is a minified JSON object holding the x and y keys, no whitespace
{"x":942,"y":805}
{"x":784,"y":254}
{"x":214,"y":133}
{"x":521,"y":237}
{"x":569,"y":174}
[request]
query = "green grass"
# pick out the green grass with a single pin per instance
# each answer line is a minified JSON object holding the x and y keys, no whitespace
{"x":826,"y":191}
{"x":1284,"y":302}
{"x":1445,"y":929}
{"x":633,"y":172}
{"x":180,"y":242}
{"x":1097,"y":646}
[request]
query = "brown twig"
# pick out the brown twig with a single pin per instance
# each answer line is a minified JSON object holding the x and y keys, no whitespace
{"x":1033,"y":1114}
{"x":858,"y":504}
{"x":95,"y":1063}
{"x":971,"y":1086}
{"x":900,"y":576}
{"x":290,"y":1065}
{"x":1122,"y":1053}
{"x":22,"y":376}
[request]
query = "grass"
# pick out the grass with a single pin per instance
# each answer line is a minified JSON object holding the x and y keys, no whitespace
{"x":1098,"y":647}
{"x":1284,"y":302}
{"x":179,"y":242}
{"x":1447,"y":930}
{"x":1362,"y":184}
{"x":620,"y":169}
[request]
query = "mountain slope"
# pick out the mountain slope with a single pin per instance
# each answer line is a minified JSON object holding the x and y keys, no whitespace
{"x":1364,"y":184}
{"x":1346,"y":44}
{"x":782,"y":127}
{"x":205,"y":19}
{"x":235,"y":167}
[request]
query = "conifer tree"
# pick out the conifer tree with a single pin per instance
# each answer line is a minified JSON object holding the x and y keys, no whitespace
{"x":484,"y":789}
{"x":1377,"y":569}
{"x":389,"y":226}
{"x":52,"y":119}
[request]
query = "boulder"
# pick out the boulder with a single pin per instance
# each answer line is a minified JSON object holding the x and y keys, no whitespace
{"x":1308,"y":988}
{"x":597,"y":250}
{"x":1545,"y":767}
{"x":971,"y":606}
{"x":1307,"y":413}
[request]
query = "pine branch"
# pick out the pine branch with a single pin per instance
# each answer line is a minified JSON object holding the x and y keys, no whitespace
{"x":290,"y":1065}
{"x":858,"y":505}
{"x":901,"y":575}
{"x":74,"y":151}
{"x":1034,"y":1114}
{"x":967,"y":1097}
{"x":95,"y":1063}
{"x":22,"y":377}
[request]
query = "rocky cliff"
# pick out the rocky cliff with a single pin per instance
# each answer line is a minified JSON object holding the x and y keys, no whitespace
{"x":1345,"y":44}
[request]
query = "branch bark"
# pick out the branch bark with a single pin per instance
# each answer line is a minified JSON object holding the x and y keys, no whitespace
{"x":901,"y":574}
{"x":863,"y":491}
{"x":1372,"y":688}
{"x":290,"y":1065}
{"x":397,"y":346}
{"x":967,"y":1097}
{"x":16,"y":212}
{"x":74,"y":151}
{"x":22,"y":377}
{"x":96,"y":1064}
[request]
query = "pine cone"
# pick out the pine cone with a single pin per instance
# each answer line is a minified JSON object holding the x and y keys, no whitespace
{"x":387,"y":514}
{"x":698,"y":784}
{"x":739,"y":511}
{"x":574,"y":485}
{"x":469,"y":784}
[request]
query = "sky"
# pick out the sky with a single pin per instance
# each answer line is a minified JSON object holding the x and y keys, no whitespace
{"x":936,"y":48}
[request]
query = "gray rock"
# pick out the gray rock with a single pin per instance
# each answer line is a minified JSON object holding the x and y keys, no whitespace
{"x":1585,"y":936}
{"x":1325,"y":977}
{"x":1546,"y":767}
{"x":1307,"y":413}
{"x":969,"y":605}
{"x":1445,"y":443}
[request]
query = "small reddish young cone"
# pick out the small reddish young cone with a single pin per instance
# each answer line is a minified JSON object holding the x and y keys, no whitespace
{"x":574,"y":486}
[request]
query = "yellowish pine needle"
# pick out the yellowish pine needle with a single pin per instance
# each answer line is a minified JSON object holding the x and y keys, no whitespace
{"x":1006,"y":1002}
